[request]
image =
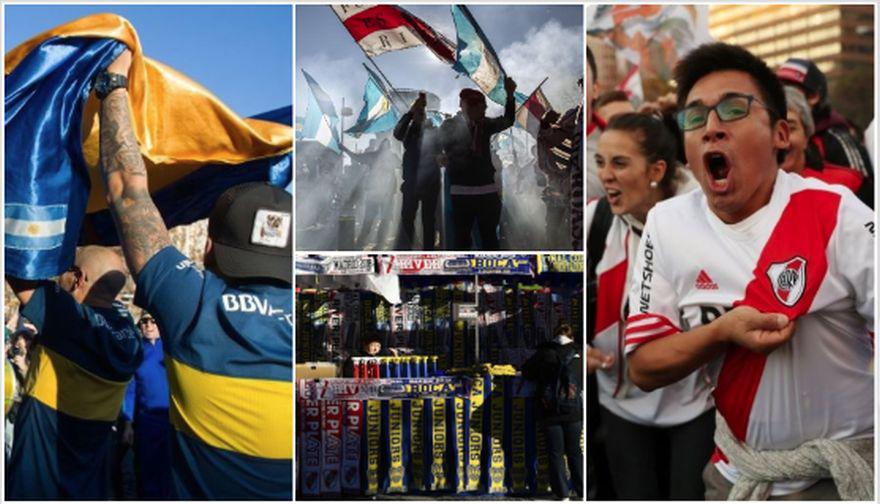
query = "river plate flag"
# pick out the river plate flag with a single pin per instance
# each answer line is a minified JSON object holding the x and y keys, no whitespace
{"x":651,"y":36}
{"x":321,"y":122}
{"x":378,"y":114}
{"x":382,"y":28}
{"x":52,"y":138}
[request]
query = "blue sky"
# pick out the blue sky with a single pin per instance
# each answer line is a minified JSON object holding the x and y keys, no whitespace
{"x":532,"y":42}
{"x":241,"y":53}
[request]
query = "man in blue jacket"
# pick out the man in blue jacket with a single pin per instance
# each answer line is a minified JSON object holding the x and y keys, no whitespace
{"x":145,"y":412}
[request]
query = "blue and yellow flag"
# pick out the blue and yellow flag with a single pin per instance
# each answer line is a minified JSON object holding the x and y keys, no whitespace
{"x":193,"y":145}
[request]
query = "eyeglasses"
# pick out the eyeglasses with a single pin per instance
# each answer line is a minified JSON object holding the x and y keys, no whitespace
{"x":146,"y":321}
{"x":732,"y":107}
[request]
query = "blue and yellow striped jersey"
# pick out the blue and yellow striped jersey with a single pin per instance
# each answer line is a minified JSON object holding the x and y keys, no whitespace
{"x":228,"y":351}
{"x":80,"y":366}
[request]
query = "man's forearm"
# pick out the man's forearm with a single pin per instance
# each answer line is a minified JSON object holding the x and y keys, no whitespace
{"x":667,"y":360}
{"x":139,"y":224}
{"x":509,"y":111}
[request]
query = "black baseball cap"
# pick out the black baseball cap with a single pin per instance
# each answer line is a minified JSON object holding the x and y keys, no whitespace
{"x":252,"y":232}
{"x":805,"y":74}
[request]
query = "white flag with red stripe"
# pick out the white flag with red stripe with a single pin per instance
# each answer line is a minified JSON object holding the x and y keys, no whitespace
{"x":528,"y":117}
{"x":382,"y":28}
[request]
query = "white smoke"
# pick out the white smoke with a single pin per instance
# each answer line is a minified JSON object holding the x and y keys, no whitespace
{"x":550,"y":51}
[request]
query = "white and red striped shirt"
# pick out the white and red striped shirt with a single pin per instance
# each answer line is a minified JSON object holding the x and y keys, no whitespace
{"x":676,"y":404}
{"x":809,"y":253}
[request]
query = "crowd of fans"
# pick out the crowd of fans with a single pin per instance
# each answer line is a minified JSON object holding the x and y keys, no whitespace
{"x":398,"y":176}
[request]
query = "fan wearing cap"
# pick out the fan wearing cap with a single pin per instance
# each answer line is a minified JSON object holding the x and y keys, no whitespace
{"x":145,"y":413}
{"x":804,"y":161}
{"x":831,"y":140}
{"x":465,"y":142}
{"x":226,"y":330}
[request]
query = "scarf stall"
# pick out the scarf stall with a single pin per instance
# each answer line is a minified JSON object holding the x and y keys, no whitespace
{"x":448,"y":415}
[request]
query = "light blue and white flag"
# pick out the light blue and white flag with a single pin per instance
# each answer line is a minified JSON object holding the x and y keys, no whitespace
{"x":321,"y":122}
{"x":378,"y":114}
{"x":475,"y":57}
{"x":32,"y":227}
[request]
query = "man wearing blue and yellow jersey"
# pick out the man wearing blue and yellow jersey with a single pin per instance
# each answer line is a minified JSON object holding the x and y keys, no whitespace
{"x":226,"y":329}
{"x":86,"y":351}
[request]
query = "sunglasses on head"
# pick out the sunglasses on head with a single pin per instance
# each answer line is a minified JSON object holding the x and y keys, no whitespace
{"x":731,"y":107}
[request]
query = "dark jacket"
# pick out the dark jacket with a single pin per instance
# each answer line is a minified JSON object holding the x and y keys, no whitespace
{"x":543,"y":368}
{"x":834,"y":144}
{"x":467,"y":166}
{"x":555,"y":150}
{"x":421,"y":144}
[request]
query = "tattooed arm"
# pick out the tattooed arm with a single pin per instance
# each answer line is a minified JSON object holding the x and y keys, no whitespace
{"x":138,"y":223}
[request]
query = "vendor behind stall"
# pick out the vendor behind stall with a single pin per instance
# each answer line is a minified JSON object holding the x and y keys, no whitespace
{"x":371,"y":347}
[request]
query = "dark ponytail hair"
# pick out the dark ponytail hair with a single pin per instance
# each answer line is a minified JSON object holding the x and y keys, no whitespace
{"x":655,"y":141}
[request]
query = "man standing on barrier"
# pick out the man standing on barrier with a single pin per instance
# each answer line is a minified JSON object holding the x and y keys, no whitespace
{"x":475,"y":194}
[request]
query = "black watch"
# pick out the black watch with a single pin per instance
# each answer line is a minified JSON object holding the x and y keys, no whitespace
{"x":105,"y":82}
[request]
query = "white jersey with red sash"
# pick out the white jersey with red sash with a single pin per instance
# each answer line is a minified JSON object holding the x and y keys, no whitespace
{"x":809,"y":253}
{"x":667,"y":406}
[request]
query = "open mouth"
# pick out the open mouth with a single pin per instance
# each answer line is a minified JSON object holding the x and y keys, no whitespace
{"x":613,"y":195}
{"x":717,"y":165}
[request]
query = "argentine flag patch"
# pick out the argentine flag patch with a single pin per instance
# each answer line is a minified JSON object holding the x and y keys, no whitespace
{"x":34,"y":227}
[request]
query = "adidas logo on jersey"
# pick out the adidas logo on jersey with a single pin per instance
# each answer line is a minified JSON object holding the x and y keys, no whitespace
{"x":704,"y":282}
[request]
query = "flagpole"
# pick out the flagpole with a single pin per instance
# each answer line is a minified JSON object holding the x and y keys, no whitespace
{"x":530,"y":95}
{"x":370,"y":58}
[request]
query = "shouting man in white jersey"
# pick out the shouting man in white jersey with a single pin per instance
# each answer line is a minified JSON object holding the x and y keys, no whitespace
{"x":767,"y":279}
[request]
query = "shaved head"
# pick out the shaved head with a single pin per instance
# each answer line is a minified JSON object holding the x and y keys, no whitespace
{"x":104,"y":273}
